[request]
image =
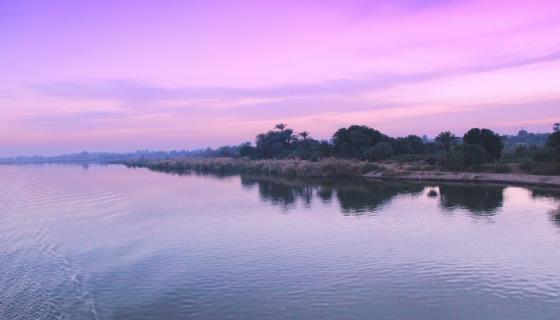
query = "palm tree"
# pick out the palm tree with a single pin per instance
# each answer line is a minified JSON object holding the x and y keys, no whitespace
{"x":280,"y":126}
{"x":446,"y":140}
{"x":304,"y":135}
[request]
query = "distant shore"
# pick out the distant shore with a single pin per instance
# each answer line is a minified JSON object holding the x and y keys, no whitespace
{"x":338,"y":167}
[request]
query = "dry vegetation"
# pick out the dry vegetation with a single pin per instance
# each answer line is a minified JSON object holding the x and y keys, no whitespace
{"x":291,"y":168}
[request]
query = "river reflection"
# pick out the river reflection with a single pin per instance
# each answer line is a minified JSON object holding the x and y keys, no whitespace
{"x":363,"y":196}
{"x":355,"y":195}
{"x":360,"y":196}
{"x":549,"y":194}
{"x":478,"y":199}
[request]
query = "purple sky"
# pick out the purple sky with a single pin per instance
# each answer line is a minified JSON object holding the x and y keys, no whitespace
{"x":126,"y":75}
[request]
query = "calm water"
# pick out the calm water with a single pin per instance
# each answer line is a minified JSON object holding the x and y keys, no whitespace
{"x":118,"y":243}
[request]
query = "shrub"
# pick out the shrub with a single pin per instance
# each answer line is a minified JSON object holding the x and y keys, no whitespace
{"x":432,"y":194}
{"x":324,"y":167}
{"x":409,"y":158}
{"x":541,"y":168}
{"x":501,"y":168}
{"x":553,"y":140}
{"x":526,"y":166}
{"x":545,"y":154}
{"x":431,"y":160}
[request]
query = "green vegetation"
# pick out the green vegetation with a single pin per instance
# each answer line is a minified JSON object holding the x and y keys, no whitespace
{"x":352,"y":150}
{"x":490,"y":142}
{"x":543,"y":160}
{"x":446,"y":140}
{"x":466,"y":155}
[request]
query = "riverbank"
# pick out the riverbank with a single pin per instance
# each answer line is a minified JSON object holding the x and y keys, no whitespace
{"x":337,"y":167}
{"x":291,"y":168}
{"x":442,"y":176}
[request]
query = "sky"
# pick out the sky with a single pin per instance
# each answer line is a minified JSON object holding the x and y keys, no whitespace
{"x":126,"y":75}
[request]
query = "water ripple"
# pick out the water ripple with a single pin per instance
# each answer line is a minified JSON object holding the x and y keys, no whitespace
{"x":114,"y":243}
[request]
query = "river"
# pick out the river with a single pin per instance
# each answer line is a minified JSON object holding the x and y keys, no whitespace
{"x":108,"y":242}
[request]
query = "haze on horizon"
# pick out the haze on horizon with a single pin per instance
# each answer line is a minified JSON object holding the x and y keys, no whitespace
{"x":126,"y":75}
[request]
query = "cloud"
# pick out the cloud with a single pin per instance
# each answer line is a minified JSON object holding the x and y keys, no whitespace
{"x":136,"y":93}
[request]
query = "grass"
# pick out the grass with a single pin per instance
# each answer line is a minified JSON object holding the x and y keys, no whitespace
{"x":491,"y":168}
{"x":539,"y":168}
{"x":290,"y":168}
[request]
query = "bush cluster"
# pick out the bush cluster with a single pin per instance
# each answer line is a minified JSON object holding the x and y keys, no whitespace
{"x":289,"y":167}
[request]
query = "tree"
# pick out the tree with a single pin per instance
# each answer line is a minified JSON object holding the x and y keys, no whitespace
{"x":246,"y":150}
{"x":379,"y":151}
{"x":275,"y":144}
{"x":304,"y":135}
{"x":226,"y":151}
{"x":487,"y":139}
{"x":556,"y":127}
{"x":411,"y":144}
{"x":446,"y":140}
{"x":325,"y":149}
{"x":352,"y":142}
{"x":553,"y":142}
{"x":466,"y":155}
{"x":307,"y":148}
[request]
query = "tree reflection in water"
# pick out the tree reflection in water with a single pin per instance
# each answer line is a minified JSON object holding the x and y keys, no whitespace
{"x":369,"y":196}
{"x":551,"y":194}
{"x":358,"y":196}
{"x":280,"y":191}
{"x":481,"y":200}
{"x":355,"y":195}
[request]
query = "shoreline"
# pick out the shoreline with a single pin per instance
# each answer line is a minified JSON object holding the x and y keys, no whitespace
{"x":338,"y":167}
{"x":512,"y":179}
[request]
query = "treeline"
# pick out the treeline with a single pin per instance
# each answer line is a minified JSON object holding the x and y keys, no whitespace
{"x":476,"y":147}
{"x":104,"y":157}
{"x":537,"y":153}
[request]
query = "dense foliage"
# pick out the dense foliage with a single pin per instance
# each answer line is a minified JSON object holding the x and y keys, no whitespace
{"x":467,"y":155}
{"x":364,"y":143}
{"x":357,"y":141}
{"x":446,"y":140}
{"x":491,"y":142}
{"x":553,"y":143}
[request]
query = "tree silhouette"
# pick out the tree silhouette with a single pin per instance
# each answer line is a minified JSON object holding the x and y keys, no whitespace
{"x":487,"y":139}
{"x":304,"y":135}
{"x":446,"y":140}
{"x":352,"y":142}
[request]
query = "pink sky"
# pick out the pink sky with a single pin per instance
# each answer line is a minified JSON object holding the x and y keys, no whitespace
{"x":127,"y":75}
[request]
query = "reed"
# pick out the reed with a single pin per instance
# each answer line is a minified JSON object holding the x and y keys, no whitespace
{"x":289,"y":167}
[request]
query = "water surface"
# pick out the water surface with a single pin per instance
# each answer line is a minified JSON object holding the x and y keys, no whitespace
{"x":107,"y":242}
